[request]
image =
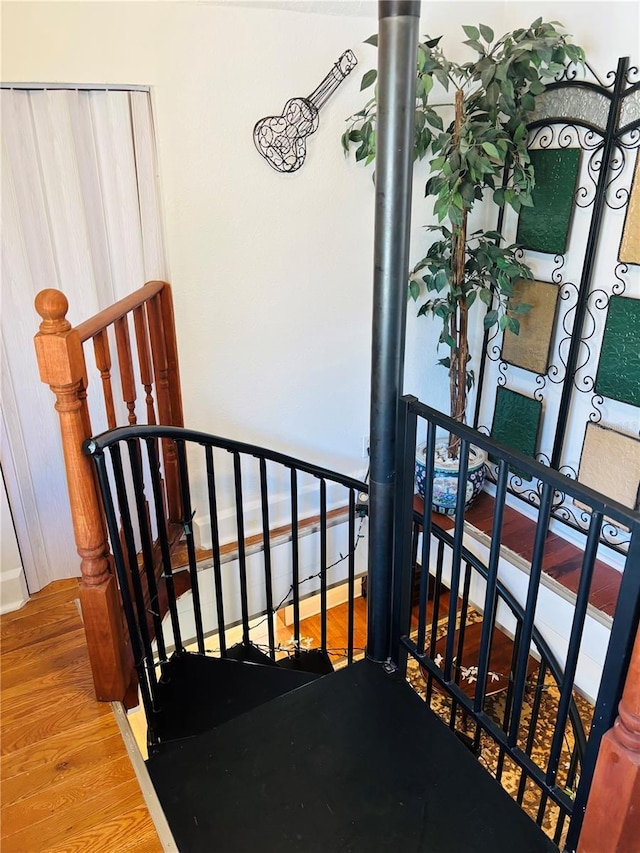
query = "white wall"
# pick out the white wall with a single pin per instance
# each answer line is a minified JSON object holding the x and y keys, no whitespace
{"x":272,"y":273}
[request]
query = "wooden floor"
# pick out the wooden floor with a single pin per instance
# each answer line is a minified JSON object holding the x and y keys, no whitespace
{"x":67,"y":784}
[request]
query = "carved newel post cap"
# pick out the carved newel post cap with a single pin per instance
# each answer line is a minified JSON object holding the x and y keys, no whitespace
{"x":52,"y":306}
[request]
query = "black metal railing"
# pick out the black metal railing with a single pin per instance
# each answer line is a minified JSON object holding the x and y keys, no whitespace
{"x":540,"y":739}
{"x":255,"y":567}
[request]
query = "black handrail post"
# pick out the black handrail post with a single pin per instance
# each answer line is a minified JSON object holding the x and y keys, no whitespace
{"x":404,"y":533}
{"x":397,"y":50}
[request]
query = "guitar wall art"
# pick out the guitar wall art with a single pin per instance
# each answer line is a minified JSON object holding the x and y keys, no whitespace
{"x":281,"y":140}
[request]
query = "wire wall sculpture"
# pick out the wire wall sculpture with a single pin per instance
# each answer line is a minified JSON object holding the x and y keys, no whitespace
{"x":601,"y":120}
{"x":281,"y":140}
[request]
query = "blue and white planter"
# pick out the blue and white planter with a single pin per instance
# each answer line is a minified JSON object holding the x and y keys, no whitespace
{"x":445,"y":477}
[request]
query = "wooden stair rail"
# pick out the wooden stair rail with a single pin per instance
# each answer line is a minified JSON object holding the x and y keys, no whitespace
{"x":62,"y":366}
{"x":612,"y":818}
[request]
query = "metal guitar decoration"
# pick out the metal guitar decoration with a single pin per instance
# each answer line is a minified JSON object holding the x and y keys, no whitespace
{"x":282,"y":139}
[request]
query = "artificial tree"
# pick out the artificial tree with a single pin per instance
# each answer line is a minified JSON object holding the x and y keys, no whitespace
{"x":482,"y":151}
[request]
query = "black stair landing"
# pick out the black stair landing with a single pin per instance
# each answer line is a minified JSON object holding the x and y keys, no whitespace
{"x":354,"y":761}
{"x":198,"y":693}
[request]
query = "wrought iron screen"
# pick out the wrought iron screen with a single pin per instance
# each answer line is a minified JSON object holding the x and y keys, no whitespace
{"x":570,"y":387}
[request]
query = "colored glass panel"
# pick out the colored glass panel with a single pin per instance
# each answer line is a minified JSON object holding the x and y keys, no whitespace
{"x":531,"y":348}
{"x":619,"y":369}
{"x":545,"y":226}
{"x":630,"y":244}
{"x":610,"y":464}
{"x":516,"y":423}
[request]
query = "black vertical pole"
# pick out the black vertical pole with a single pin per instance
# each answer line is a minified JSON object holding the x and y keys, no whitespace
{"x":397,"y":48}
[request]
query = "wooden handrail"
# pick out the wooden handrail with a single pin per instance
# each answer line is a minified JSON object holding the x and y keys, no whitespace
{"x":89,"y":328}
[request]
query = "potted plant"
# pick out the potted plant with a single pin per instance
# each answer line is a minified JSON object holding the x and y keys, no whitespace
{"x":480,"y":155}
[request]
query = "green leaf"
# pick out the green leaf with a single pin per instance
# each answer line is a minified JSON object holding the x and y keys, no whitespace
{"x":491,"y":150}
{"x":485,"y":296}
{"x":471,"y":32}
{"x":414,"y":289}
{"x":491,"y":318}
{"x":487,"y":33}
{"x":368,"y":79}
{"x":372,"y":40}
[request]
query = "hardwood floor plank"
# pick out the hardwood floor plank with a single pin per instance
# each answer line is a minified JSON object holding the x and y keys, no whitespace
{"x":74,"y":819}
{"x":46,"y":721}
{"x":63,"y":764}
{"x":41,"y":626}
{"x":127,"y":832}
{"x":64,"y":794}
{"x":67,"y":782}
{"x":79,"y":680}
{"x":57,"y":750}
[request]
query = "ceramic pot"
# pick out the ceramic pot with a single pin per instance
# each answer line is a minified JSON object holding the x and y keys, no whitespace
{"x":445,"y":477}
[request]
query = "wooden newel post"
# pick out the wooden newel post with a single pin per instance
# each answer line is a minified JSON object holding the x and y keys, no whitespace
{"x":62,"y":367}
{"x":612,"y":819}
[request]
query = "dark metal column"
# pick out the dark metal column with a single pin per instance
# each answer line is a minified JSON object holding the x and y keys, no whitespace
{"x":397,"y":48}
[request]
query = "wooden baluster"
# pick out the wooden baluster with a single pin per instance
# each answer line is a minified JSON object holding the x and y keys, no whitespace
{"x":146,"y":376}
{"x":612,"y":819}
{"x":62,"y":367}
{"x":165,"y":374}
{"x":125,"y":363}
{"x":103,"y":363}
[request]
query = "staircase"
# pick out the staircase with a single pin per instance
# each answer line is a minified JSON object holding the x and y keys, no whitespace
{"x":250,"y":752}
{"x":252,"y":756}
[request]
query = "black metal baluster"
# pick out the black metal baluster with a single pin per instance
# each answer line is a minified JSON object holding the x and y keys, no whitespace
{"x":457,"y":557}
{"x":323,"y":564}
{"x":491,"y":591}
{"x":153,"y":608}
{"x":147,"y":687}
{"x":460,"y":646}
{"x":163,"y":539}
{"x":574,"y":764}
{"x":426,"y":535}
{"x":530,"y":611}
{"x":535,"y":712}
{"x":132,"y":562}
{"x":508,"y":702}
{"x":215,"y":549}
{"x":295,"y":562}
{"x":242,"y":556}
{"x":542,"y":807}
{"x":185,"y":494}
{"x":435,"y":616}
{"x":580,"y":612}
{"x":266,"y":543}
{"x":352,"y":573}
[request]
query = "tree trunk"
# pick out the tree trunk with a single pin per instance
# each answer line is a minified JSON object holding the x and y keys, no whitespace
{"x":459,"y":320}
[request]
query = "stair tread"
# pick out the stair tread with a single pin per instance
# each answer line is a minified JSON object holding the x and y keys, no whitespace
{"x":355,"y":761}
{"x":308,"y":660}
{"x":203,"y":692}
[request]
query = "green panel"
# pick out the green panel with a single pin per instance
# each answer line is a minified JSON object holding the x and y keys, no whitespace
{"x":545,"y":226}
{"x":516,"y":423}
{"x":619,"y":370}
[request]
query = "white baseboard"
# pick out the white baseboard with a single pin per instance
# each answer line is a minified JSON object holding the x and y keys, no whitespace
{"x":13,"y":590}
